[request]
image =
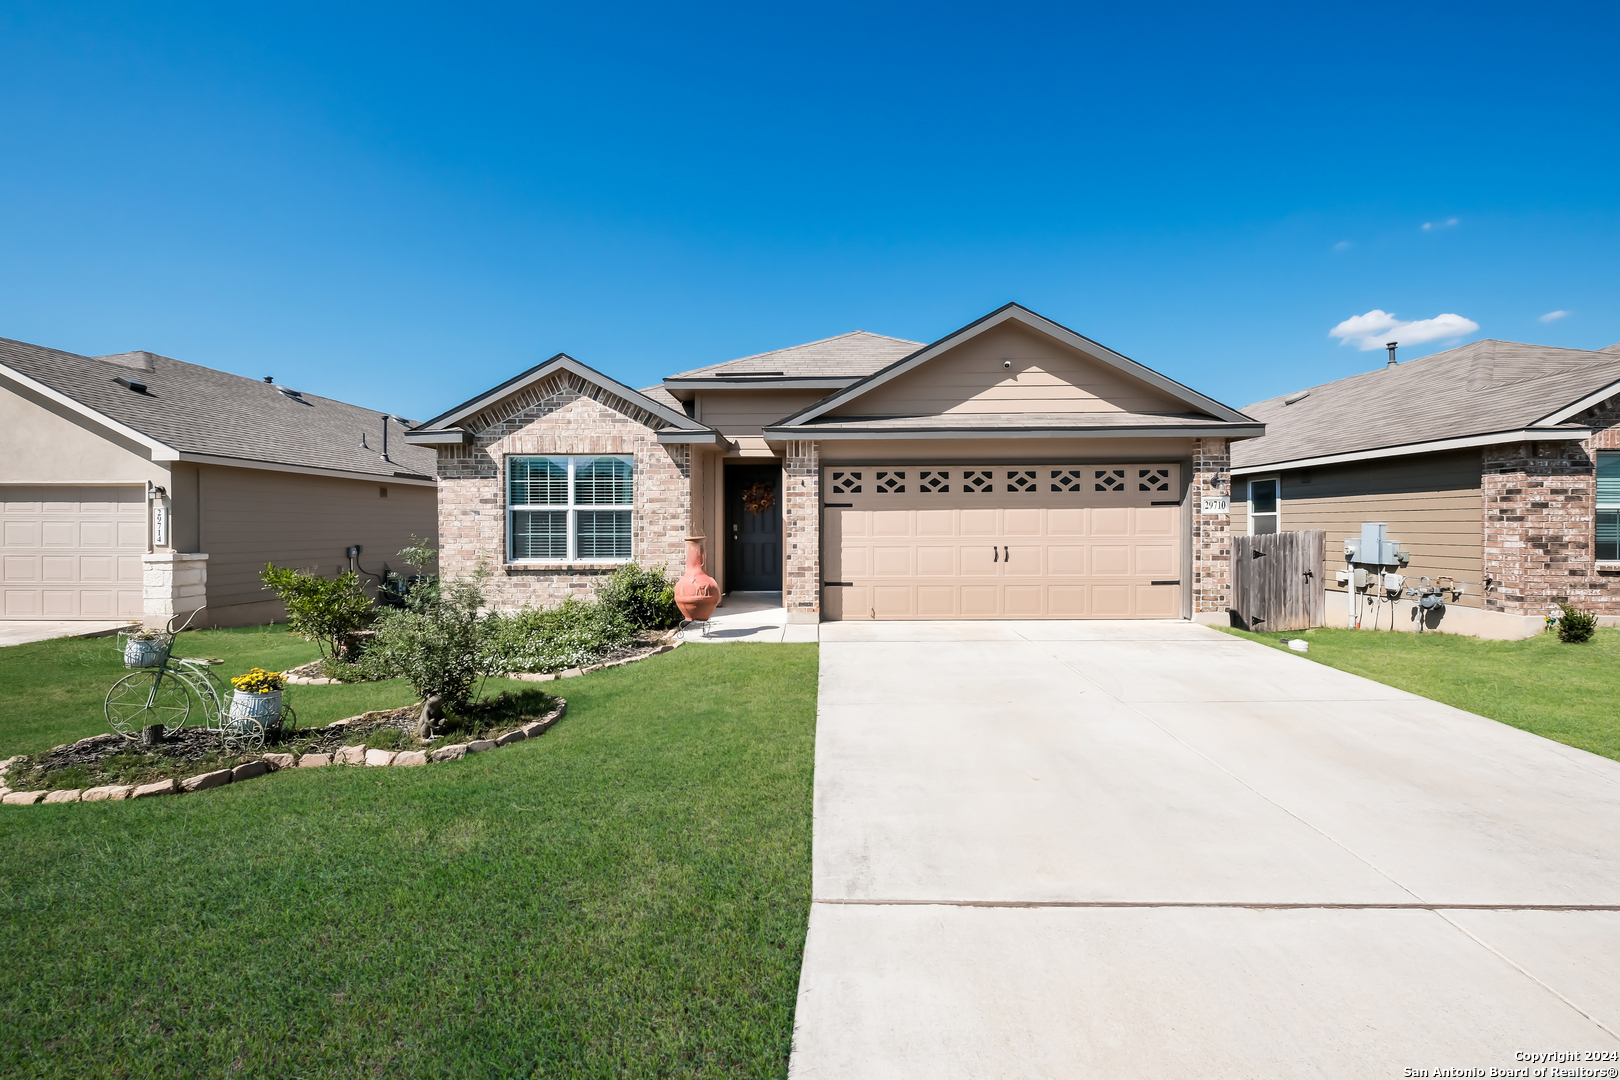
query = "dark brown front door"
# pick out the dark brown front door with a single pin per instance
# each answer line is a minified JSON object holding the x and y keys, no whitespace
{"x":754,"y":528}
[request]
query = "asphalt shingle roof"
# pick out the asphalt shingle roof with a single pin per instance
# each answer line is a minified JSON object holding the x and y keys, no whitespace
{"x":199,"y":410}
{"x":852,"y":355}
{"x":1476,"y":389}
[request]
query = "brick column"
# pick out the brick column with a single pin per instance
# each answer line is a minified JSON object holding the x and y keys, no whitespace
{"x":801,"y":532}
{"x":172,"y":583}
{"x":1539,"y":513}
{"x":1211,"y":533}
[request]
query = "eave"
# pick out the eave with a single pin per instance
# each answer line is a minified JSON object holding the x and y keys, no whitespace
{"x":1493,"y":438}
{"x":1145,"y":431}
{"x":683,"y":389}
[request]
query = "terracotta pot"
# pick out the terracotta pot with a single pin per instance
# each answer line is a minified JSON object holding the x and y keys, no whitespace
{"x":696,"y":594}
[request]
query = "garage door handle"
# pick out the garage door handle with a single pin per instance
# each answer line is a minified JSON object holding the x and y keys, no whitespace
{"x":1175,"y":582}
{"x":1005,"y":557}
{"x":995,"y":556}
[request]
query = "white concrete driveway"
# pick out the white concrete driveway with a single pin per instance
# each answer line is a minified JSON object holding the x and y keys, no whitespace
{"x":1151,"y":849}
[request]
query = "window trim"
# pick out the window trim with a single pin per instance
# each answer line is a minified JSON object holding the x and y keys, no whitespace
{"x":1276,"y":514}
{"x":571,"y":508}
{"x":1598,"y":507}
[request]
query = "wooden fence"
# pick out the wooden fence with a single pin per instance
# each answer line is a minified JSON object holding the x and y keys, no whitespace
{"x":1277,"y":580}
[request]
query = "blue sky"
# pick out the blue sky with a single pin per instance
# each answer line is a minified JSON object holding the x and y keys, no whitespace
{"x":401,"y":205}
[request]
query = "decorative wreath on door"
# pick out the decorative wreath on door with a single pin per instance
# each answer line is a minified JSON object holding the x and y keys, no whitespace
{"x":759,"y":498}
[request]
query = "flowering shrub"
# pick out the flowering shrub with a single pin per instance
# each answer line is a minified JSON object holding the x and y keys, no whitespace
{"x":259,"y":681}
{"x":574,"y":633}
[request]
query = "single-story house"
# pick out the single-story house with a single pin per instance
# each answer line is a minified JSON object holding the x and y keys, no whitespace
{"x":1496,"y":465}
{"x":136,"y":486}
{"x":1012,"y":469}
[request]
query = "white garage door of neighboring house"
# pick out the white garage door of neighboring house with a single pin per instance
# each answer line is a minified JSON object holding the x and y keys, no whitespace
{"x":1002,"y":542}
{"x":71,"y":552}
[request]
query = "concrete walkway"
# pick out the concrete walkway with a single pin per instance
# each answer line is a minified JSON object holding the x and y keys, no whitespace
{"x":1154,"y":850}
{"x":751,"y":616}
{"x":25,"y":631}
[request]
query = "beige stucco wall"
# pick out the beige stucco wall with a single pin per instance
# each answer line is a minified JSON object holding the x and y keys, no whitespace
{"x":253,"y":516}
{"x":43,"y":442}
{"x":1046,"y":376}
{"x":1431,"y":503}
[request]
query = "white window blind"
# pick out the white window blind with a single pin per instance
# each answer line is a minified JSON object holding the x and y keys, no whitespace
{"x":1608,"y":507}
{"x":566,"y":509}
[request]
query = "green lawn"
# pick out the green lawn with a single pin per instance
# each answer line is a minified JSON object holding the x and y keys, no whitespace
{"x":1562,"y":692}
{"x":626,"y":896}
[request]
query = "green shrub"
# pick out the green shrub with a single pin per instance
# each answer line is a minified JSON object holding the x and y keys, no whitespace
{"x":322,"y":610}
{"x":643,"y":596}
{"x":574,"y":633}
{"x":435,"y":642}
{"x":1575,"y":625}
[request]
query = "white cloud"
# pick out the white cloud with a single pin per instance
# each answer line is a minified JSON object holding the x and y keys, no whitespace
{"x":1341,"y":245}
{"x":1554,"y":316}
{"x":1375,"y":328}
{"x":1446,"y":224}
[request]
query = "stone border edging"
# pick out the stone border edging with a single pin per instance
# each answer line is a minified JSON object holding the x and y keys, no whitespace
{"x":359,"y":754}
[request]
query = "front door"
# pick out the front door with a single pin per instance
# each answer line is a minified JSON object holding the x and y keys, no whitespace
{"x":754,"y":526}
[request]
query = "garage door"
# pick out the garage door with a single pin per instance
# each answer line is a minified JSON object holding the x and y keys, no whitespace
{"x":71,"y":553}
{"x":1003,"y":542}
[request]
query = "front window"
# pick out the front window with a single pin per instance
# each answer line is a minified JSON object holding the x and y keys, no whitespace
{"x":568,"y":509}
{"x":1262,"y":507}
{"x":1608,"y":507}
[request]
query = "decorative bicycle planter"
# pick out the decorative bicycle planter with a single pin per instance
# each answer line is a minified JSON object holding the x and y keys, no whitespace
{"x":164,"y":690}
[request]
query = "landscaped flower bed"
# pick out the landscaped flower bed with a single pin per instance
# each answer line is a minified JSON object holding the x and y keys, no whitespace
{"x":104,"y":761}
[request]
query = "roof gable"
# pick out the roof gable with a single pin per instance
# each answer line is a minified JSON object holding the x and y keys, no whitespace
{"x":660,"y":414}
{"x":1067,"y":361}
{"x":1010,"y":369}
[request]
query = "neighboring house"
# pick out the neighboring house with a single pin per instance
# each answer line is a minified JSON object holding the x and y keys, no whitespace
{"x":1496,"y":464}
{"x":136,"y":486}
{"x":1012,"y":469}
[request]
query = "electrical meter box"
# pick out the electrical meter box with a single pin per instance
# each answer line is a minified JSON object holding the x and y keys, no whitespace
{"x":1373,"y":547}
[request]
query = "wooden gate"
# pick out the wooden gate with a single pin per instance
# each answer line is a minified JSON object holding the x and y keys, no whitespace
{"x":1277,"y":580}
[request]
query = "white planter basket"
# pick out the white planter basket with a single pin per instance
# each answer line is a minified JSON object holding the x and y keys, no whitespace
{"x":144,"y":654}
{"x":249,"y":709}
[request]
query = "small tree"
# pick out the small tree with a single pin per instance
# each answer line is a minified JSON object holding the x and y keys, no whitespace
{"x":322,"y":610}
{"x":1575,"y":625}
{"x":435,"y":641}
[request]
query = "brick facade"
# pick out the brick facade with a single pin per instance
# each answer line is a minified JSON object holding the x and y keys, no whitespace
{"x":558,"y":415}
{"x":801,"y":531}
{"x":1211,"y":533}
{"x":1539,"y":517}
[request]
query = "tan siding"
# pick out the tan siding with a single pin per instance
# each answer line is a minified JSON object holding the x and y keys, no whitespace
{"x":1045,"y":377}
{"x":741,"y":415}
{"x":251,"y":517}
{"x":1431,"y":504}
